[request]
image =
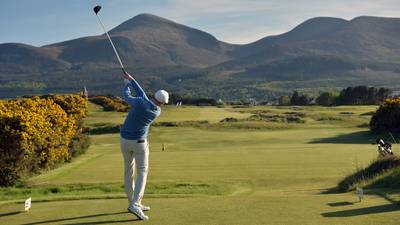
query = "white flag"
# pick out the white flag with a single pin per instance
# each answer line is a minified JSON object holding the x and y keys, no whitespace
{"x":360,"y":193}
{"x":28,"y":204}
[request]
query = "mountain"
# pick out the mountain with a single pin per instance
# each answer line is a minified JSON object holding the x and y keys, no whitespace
{"x":362,"y":51}
{"x":21,"y":58}
{"x":147,"y":41}
{"x":319,"y":54}
{"x":364,"y":38}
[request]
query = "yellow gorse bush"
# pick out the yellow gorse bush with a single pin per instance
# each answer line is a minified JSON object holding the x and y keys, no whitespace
{"x":392,"y":102}
{"x":41,"y":130}
{"x":73,"y":105}
{"x":110,"y":104}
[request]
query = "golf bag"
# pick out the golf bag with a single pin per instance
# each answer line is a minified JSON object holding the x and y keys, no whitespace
{"x":384,"y":149}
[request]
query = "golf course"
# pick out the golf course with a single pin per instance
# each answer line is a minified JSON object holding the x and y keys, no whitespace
{"x":217,"y":165}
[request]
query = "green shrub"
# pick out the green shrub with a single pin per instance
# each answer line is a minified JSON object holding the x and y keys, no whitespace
{"x":105,"y":129}
{"x":80,"y":143}
{"x":387,"y":117}
{"x":229,"y":119}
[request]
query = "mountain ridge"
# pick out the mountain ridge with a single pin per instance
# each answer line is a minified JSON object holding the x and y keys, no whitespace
{"x":185,"y":59}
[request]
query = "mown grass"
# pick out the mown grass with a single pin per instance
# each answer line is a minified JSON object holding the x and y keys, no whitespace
{"x":212,"y":172}
{"x":168,"y":189}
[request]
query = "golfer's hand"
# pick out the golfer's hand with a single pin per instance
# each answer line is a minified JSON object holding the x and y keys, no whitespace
{"x":128,"y":76}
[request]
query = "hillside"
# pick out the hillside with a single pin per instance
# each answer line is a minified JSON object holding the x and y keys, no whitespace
{"x":147,"y":41}
{"x":323,"y":45}
{"x":322,"y":52}
{"x":21,"y":58}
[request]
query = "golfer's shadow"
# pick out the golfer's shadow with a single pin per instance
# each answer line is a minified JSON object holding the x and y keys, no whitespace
{"x":103,"y":222}
{"x":10,"y":213}
{"x":336,"y":204}
{"x":85,"y":217}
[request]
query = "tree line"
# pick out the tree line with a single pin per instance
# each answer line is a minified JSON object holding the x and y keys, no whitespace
{"x":360,"y":95}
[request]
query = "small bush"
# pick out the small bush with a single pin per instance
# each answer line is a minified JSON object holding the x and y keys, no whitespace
{"x":387,"y":117}
{"x":228,"y":120}
{"x":105,"y":129}
{"x":80,"y":143}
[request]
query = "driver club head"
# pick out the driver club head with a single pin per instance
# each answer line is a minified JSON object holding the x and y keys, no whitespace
{"x":96,"y":9}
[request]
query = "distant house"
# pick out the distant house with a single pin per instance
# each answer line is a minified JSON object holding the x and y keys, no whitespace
{"x":313,"y":101}
{"x":252,"y":101}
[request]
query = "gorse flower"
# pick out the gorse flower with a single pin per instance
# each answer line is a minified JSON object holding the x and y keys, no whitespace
{"x":37,"y":133}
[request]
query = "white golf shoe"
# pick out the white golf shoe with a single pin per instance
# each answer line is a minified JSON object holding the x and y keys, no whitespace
{"x":144,"y":207}
{"x":137,"y":211}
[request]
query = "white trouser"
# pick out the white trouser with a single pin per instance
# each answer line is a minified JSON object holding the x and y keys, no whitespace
{"x":135,"y":153}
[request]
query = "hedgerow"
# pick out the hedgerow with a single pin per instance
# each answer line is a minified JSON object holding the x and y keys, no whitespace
{"x":39,"y":133}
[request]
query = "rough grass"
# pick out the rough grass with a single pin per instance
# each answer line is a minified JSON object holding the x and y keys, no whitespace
{"x":103,"y":128}
{"x":381,"y":173}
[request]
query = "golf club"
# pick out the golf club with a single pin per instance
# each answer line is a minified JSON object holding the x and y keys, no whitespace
{"x":96,"y":10}
{"x":393,"y":138}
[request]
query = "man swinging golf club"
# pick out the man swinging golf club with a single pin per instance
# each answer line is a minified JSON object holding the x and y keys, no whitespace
{"x":134,"y":144}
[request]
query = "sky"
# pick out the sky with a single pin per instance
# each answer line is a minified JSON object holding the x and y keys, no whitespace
{"x":41,"y":22}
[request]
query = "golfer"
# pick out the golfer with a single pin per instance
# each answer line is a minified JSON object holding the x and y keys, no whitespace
{"x":134,"y":144}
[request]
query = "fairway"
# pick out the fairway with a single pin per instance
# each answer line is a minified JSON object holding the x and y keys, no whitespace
{"x":245,"y":172}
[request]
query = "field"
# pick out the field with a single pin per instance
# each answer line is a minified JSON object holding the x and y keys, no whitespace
{"x":264,"y":165}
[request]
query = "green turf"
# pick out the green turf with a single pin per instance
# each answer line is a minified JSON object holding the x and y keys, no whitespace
{"x":217,"y":174}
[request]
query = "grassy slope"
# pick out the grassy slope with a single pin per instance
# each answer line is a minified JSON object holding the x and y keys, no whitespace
{"x":381,"y":176}
{"x":243,"y":176}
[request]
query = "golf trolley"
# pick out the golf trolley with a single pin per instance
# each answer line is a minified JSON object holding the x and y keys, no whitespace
{"x":384,"y":148}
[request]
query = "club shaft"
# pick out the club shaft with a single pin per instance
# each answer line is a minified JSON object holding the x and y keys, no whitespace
{"x":393,"y":138}
{"x":112,"y":44}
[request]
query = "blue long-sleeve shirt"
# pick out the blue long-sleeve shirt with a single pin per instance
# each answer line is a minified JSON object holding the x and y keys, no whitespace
{"x":142,"y":114}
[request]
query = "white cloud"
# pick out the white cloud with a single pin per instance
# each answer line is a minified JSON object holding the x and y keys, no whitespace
{"x":185,"y":7}
{"x":235,"y":21}
{"x":249,"y":35}
{"x":241,"y":21}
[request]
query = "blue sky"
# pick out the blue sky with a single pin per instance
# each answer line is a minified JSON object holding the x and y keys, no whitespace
{"x":40,"y":22}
